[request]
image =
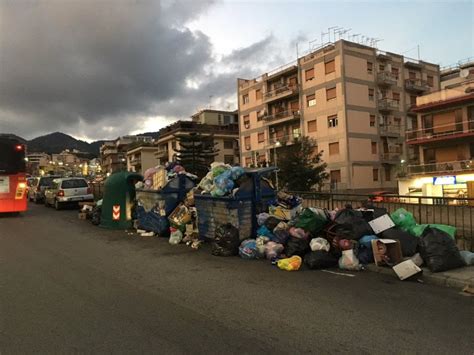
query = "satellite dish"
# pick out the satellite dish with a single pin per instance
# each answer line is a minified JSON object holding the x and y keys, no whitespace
{"x":464,"y":73}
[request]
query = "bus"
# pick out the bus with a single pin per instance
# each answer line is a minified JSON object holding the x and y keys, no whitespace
{"x":12,"y":175}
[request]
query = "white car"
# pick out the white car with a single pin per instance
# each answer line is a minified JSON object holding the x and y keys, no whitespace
{"x":67,"y":191}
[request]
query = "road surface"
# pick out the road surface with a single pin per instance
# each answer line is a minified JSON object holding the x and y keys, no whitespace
{"x":68,"y":286}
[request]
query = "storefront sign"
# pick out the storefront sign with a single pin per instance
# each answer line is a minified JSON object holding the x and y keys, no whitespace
{"x":444,"y":180}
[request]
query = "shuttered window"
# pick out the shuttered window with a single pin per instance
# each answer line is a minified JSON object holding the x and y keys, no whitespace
{"x":331,"y":93}
{"x":335,"y":176}
{"x":430,"y":81}
{"x":312,"y":126}
{"x":248,"y":161}
{"x":261,"y":137}
{"x":370,"y":67}
{"x":388,"y":173}
{"x":375,"y":174}
{"x":310,"y":100}
{"x":372,"y":121}
{"x":247,"y":121}
{"x":332,"y":121}
{"x":374,"y":147}
{"x":245,"y":98}
{"x":371,"y":94}
{"x":258,"y":94}
{"x":396,"y":96}
{"x":334,"y":148}
{"x":247,"y":142}
{"x":309,"y":74}
{"x":330,"y":66}
{"x":395,"y":73}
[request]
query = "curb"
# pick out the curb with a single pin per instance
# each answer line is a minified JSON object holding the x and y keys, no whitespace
{"x":428,"y":277}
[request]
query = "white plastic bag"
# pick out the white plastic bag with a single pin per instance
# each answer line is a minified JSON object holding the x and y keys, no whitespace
{"x":348,"y":261}
{"x":319,"y":244}
{"x":176,"y":237}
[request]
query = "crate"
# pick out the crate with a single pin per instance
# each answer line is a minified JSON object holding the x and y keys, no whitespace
{"x":239,"y":210}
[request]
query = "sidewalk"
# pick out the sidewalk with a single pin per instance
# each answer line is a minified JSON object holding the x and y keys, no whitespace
{"x":457,"y":278}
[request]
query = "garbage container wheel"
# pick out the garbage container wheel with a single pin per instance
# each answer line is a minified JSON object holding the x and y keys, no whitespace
{"x":57,"y":205}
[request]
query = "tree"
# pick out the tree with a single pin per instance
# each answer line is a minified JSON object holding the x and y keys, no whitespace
{"x":196,"y":152}
{"x":301,"y":167}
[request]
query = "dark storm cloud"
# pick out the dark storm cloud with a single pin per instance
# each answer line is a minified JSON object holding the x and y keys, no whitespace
{"x":97,"y":68}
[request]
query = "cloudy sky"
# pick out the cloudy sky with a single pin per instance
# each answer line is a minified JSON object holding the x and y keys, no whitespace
{"x":99,"y":69}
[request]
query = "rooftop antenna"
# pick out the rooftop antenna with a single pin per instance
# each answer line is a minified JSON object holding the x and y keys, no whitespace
{"x":335,"y":30}
{"x":355,"y":37}
{"x":339,"y":33}
{"x":329,"y":32}
{"x":345,"y":31}
{"x":377,"y":40}
{"x":210,"y":101}
{"x":312,"y":44}
{"x":322,"y":37}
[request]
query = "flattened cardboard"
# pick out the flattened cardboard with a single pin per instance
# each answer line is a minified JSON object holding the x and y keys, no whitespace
{"x":394,"y":251}
{"x":381,"y":224}
{"x":405,"y":269}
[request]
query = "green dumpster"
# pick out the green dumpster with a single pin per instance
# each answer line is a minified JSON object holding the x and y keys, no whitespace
{"x":119,"y":196}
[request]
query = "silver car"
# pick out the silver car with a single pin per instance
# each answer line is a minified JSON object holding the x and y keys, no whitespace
{"x":39,"y":186}
{"x":67,"y":191}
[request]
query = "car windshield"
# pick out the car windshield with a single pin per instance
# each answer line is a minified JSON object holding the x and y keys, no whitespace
{"x":47,"y":181}
{"x":73,"y":184}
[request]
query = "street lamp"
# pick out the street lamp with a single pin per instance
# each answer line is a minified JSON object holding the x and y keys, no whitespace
{"x":277,"y":144}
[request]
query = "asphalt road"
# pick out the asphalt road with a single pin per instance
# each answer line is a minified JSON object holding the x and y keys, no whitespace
{"x":68,"y":286}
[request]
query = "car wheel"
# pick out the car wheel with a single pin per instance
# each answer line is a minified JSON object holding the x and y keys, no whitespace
{"x":57,"y":205}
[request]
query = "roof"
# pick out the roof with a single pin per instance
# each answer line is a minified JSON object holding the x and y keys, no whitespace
{"x":214,"y":111}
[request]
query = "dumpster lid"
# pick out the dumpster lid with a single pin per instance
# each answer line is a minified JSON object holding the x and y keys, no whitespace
{"x":260,"y":171}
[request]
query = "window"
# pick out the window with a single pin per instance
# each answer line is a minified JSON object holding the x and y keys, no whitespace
{"x":228,"y":144}
{"x":388,"y":173}
{"x":396,"y":97}
{"x":430,"y":81}
{"x":371,"y":94}
{"x":309,"y":74}
{"x":247,"y":121}
{"x":330,"y":66}
{"x":372,"y":120}
{"x":247,"y":142}
{"x":332,"y":121}
{"x":227,"y":119}
{"x":397,"y":121}
{"x":369,"y":67}
{"x":74,"y":184}
{"x":312,"y":127}
{"x":173,"y":145}
{"x":228,"y":159}
{"x":245,"y":98}
{"x":248,"y":161}
{"x":395,"y":73}
{"x":219,"y":119}
{"x":258,"y":94}
{"x":375,"y":174}
{"x":381,"y":67}
{"x":260,"y":115}
{"x":294,"y":106}
{"x":411,"y":75}
{"x":334,"y":148}
{"x":310,"y":100}
{"x":331,"y":93}
{"x":335,"y":176}
{"x":412,"y":99}
{"x":374,"y":147}
{"x":261,"y":137}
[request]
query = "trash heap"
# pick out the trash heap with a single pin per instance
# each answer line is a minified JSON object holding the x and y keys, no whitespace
{"x":157,"y":177}
{"x":221,"y":180}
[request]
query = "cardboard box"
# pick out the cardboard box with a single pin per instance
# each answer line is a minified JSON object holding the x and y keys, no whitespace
{"x":82,"y":215}
{"x":386,"y":251}
{"x":381,"y":224}
{"x":405,"y":269}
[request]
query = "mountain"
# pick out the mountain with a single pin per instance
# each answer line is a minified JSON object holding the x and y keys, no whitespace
{"x":56,"y":142}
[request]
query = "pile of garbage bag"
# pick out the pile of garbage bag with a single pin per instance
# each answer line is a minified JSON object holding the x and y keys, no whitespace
{"x":157,"y":177}
{"x":221,"y":180}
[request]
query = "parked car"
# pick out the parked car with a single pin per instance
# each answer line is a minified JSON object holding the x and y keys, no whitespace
{"x":68,"y":191}
{"x":38,"y":186}
{"x":383,"y":196}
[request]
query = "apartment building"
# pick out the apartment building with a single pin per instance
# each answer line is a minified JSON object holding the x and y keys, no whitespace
{"x":113,"y":153}
{"x":141,"y":157}
{"x":354,"y":100}
{"x":457,"y":73}
{"x":222,"y":124}
{"x":37,"y":162}
{"x":442,"y":144}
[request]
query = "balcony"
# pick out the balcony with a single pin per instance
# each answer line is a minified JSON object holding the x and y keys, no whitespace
{"x":285,"y":139}
{"x":442,"y":132}
{"x":391,"y":157}
{"x":386,"y":104}
{"x":284,"y":115}
{"x":280,"y":93}
{"x":390,"y":130}
{"x":416,"y":85}
{"x":136,"y":161}
{"x":449,"y":167}
{"x":386,"y":79}
{"x":161,"y":153}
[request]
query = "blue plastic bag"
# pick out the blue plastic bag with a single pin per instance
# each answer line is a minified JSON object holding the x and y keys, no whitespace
{"x":365,"y":253}
{"x":248,"y":249}
{"x":264,"y":231}
{"x":236,"y":172}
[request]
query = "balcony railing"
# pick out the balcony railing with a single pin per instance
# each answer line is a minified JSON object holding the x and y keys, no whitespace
{"x":390,"y":129}
{"x":446,"y":131}
{"x":416,"y":85}
{"x":391,"y":156}
{"x":285,"y":139}
{"x":282,"y":115}
{"x":386,"y":78}
{"x":280,"y":92}
{"x":161,"y":153}
{"x":386,"y":104}
{"x":444,"y":167}
{"x":135,"y":161}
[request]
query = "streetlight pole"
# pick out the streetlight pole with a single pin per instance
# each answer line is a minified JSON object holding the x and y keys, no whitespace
{"x":277,"y":144}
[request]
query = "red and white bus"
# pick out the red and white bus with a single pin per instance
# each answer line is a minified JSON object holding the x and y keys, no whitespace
{"x":12,"y":175}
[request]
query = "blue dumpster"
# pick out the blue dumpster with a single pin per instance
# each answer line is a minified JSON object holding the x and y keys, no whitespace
{"x":239,"y":210}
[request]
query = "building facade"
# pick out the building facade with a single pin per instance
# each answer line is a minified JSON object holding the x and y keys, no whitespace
{"x":113,"y":153}
{"x":38,"y":162}
{"x":222,"y":124}
{"x":141,"y":158}
{"x":354,"y":100}
{"x":442,"y":144}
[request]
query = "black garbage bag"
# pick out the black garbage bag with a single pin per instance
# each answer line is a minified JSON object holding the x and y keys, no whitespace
{"x":226,"y":240}
{"x":320,"y":259}
{"x":355,"y":226}
{"x":271,"y":222}
{"x":370,"y":215}
{"x":408,"y":242}
{"x":297,"y":246}
{"x":96,"y":215}
{"x":439,"y":250}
